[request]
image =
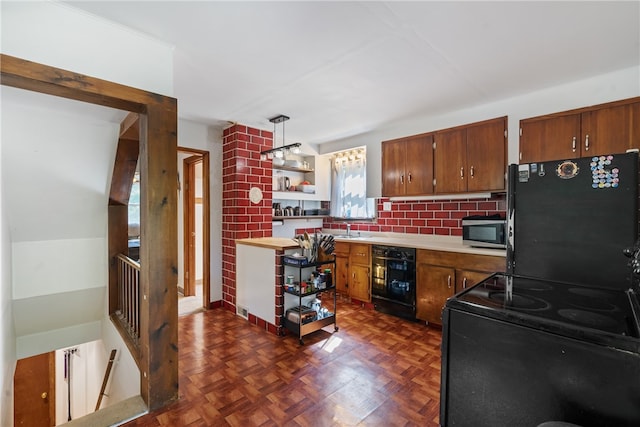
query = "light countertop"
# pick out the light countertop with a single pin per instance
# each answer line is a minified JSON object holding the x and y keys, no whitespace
{"x":432,"y":242}
{"x":277,"y":243}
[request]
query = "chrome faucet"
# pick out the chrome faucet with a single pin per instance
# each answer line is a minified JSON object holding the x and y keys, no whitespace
{"x":348,"y":229}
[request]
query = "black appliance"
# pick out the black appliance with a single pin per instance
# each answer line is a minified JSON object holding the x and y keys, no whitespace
{"x":557,"y":338}
{"x":485,"y":231}
{"x":393,"y":285}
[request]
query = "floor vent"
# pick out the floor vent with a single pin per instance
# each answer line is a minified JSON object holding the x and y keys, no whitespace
{"x":242,"y":311}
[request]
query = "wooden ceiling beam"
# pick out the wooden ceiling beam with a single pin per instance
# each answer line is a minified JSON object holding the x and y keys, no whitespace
{"x":130,"y":127}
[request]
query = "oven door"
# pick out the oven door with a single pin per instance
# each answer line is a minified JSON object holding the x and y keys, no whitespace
{"x":401,"y":280}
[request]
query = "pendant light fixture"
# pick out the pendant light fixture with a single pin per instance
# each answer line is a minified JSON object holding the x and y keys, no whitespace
{"x":282,"y":150}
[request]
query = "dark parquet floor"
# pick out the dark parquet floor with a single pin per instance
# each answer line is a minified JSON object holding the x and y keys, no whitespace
{"x":377,"y":370}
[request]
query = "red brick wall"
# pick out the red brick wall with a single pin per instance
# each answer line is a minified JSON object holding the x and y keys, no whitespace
{"x":440,"y":217}
{"x":241,"y":170}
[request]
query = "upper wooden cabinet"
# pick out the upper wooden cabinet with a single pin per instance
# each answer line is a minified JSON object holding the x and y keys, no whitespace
{"x":602,"y":129}
{"x":407,"y":166}
{"x":471,"y":158}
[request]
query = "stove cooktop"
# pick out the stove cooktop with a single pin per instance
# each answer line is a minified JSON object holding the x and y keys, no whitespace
{"x":603,"y":315}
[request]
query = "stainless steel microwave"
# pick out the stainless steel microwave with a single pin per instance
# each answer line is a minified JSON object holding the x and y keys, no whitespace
{"x":484,"y":231}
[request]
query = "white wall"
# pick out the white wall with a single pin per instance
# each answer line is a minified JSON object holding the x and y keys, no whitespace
{"x":613,"y":86}
{"x":8,"y":343}
{"x":64,"y":37}
{"x":125,"y":375}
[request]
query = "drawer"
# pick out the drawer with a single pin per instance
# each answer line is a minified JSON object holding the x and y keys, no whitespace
{"x":341,"y":249}
{"x":462,"y":260}
{"x":360,"y":253}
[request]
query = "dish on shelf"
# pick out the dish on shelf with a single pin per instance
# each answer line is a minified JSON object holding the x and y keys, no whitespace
{"x":293,"y":163}
{"x":277,"y":161}
{"x":308,"y":188}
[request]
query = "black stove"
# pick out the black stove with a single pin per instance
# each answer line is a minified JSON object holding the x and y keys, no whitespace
{"x":556,"y":338}
{"x":603,"y":316}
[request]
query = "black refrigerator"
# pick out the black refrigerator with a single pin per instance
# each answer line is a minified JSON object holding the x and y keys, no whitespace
{"x":571,"y":219}
{"x":557,"y":338}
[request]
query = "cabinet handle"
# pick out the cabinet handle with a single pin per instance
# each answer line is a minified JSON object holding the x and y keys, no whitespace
{"x":409,"y":177}
{"x":401,"y":179}
{"x":464,"y":283}
{"x":586,"y":143}
{"x":573,"y":144}
{"x":449,"y":282}
{"x":471,"y":171}
{"x":462,"y":172}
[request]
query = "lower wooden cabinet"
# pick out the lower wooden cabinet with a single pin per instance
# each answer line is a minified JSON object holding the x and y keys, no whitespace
{"x":342,"y":272}
{"x":467,"y":278}
{"x":353,"y":268}
{"x":434,"y":285}
{"x":440,"y":275}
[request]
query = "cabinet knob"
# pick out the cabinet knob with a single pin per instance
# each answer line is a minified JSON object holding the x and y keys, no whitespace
{"x":464,"y":283}
{"x":462,"y":173}
{"x":449,"y":282}
{"x":573,"y":144}
{"x":471,"y":171}
{"x":44,"y":395}
{"x":409,"y":177}
{"x":401,"y":179}
{"x":586,"y":142}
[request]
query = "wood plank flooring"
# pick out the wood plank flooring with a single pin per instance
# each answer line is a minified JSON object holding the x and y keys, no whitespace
{"x":377,"y":370}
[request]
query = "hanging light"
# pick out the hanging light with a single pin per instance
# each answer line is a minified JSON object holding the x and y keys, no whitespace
{"x":279,"y":152}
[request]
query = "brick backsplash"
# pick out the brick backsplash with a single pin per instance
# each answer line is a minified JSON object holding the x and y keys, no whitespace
{"x":441,"y":217}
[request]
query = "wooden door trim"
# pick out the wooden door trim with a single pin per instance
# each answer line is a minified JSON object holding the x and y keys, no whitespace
{"x":188,"y":223}
{"x":206,"y":224}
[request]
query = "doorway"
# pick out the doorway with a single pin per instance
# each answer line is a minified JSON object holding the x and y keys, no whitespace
{"x":194,"y":293}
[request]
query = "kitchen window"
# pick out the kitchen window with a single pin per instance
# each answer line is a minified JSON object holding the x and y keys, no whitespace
{"x":349,"y":186}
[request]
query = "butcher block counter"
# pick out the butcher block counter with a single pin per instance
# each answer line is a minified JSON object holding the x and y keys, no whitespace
{"x":276,"y":243}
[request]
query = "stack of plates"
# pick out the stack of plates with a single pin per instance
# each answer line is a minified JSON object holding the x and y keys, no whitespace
{"x":293,"y":163}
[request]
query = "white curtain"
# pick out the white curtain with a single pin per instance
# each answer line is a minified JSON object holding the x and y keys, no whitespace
{"x":349,"y":188}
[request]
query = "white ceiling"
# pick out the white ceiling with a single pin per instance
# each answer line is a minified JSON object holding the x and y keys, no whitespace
{"x":343,"y":68}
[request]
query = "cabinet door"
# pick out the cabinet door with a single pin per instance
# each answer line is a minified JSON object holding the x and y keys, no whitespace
{"x":465,"y":278}
{"x":341,"y":274}
{"x":419,"y":165}
{"x":554,"y":138}
{"x":393,"y":156}
{"x":487,"y":156}
{"x":450,"y":159}
{"x":434,"y":285}
{"x":610,"y":130}
{"x":359,"y":282}
{"x":360,"y":254}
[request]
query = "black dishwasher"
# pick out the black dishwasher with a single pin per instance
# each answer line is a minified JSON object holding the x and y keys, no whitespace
{"x":393,"y":285}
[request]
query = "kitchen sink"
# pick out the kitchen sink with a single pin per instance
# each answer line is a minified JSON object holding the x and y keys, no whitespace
{"x":348,"y":236}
